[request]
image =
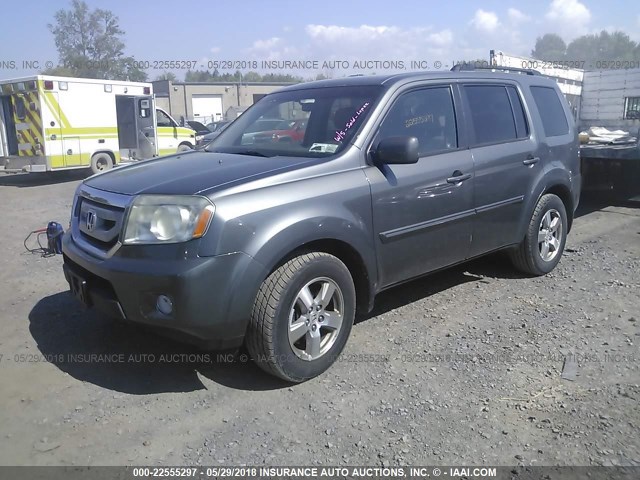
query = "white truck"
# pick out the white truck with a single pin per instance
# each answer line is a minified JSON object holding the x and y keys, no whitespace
{"x":599,"y":98}
{"x":569,"y":79}
{"x":54,"y":123}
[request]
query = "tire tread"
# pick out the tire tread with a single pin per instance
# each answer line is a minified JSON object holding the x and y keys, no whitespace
{"x":260,"y":337}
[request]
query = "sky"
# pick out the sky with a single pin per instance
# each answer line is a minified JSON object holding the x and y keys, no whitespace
{"x":338,"y":30}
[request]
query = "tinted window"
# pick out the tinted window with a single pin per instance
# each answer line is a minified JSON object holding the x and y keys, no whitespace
{"x":522,"y":128}
{"x":21,"y":110}
{"x":425,"y":114}
{"x":552,"y":114}
{"x":491,"y":115}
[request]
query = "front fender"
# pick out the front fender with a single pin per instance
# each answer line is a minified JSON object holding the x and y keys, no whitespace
{"x":272,"y":221}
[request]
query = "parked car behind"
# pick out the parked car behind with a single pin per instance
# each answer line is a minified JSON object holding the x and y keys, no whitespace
{"x":209,"y":137}
{"x":285,"y":131}
{"x":216,"y":125}
{"x":200,"y":128}
{"x":278,"y":245}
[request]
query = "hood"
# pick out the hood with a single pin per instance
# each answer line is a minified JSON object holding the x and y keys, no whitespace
{"x":192,"y":172}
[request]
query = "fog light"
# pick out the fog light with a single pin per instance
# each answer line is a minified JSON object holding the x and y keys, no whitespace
{"x":164,"y":305}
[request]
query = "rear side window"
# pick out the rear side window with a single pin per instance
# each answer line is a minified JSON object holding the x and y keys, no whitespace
{"x":552,"y":114}
{"x":491,"y":115}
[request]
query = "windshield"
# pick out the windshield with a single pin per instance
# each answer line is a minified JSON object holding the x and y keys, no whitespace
{"x":315,"y":122}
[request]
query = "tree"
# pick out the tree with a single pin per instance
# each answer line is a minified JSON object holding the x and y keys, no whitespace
{"x":549,"y":47}
{"x":603,"y":46}
{"x":167,"y":76}
{"x":89,"y":45}
{"x":595,"y":50}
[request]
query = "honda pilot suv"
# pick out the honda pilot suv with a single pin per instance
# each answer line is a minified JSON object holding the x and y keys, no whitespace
{"x":278,"y":245}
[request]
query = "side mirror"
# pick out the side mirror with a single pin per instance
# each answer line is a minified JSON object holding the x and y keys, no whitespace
{"x":397,"y":150}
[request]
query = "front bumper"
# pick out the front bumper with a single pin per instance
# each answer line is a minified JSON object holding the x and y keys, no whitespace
{"x":212,"y":296}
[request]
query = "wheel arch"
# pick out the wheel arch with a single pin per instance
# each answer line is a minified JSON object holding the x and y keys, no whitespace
{"x":563,"y":192}
{"x":557,"y":182}
{"x":108,"y":152}
{"x":352,"y":259}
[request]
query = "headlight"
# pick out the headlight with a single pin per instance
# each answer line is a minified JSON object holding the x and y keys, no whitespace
{"x":167,"y":219}
{"x":199,"y":137}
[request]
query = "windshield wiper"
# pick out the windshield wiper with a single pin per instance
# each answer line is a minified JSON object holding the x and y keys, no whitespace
{"x":253,"y":153}
{"x":239,"y":151}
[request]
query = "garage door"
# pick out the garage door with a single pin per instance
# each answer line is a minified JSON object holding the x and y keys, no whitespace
{"x":207,"y":108}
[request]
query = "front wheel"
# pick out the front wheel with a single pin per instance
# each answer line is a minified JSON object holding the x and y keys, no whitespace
{"x":184,"y":147}
{"x":541,"y":249}
{"x":302,"y":317}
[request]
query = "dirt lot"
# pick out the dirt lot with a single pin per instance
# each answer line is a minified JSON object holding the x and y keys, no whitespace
{"x":463,"y":367}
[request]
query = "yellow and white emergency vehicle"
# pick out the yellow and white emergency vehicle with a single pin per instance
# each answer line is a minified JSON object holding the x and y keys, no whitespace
{"x":55,"y":123}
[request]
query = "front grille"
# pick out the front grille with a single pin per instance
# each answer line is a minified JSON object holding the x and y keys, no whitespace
{"x":98,"y":219}
{"x":100,"y":224}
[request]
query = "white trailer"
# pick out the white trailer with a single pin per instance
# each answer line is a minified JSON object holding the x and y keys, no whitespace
{"x":611,"y":99}
{"x":55,"y":123}
{"x":570,"y":80}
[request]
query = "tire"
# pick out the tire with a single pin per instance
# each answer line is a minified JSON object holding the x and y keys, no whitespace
{"x":312,"y":345}
{"x":541,"y":249}
{"x":101,"y":162}
{"x":184,"y":147}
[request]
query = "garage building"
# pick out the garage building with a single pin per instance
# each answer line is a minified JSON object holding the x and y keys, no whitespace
{"x":209,"y":101}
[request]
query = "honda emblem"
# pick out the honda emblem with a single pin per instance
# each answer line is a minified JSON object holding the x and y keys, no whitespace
{"x":91,"y":220}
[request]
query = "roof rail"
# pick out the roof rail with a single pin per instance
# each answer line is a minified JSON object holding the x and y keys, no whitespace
{"x":470,"y":67}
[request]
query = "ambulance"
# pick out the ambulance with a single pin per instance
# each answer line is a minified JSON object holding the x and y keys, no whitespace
{"x":56,"y":123}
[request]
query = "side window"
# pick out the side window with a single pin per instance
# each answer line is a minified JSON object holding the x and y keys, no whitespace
{"x":491,"y":115}
{"x":425,"y":114}
{"x":522,"y":129}
{"x":21,"y":109}
{"x":554,"y":121}
{"x":162,"y":119}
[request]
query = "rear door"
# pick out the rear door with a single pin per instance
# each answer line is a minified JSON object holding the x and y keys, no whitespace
{"x":136,"y":125}
{"x":53,"y":129}
{"x":8,"y":135}
{"x":422,"y":212}
{"x":506,"y":161}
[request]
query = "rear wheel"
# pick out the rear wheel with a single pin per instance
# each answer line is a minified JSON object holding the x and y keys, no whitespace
{"x":302,"y":317}
{"x":101,"y":162}
{"x":541,"y":249}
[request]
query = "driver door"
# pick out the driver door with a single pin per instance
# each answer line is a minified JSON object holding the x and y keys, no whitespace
{"x":422,"y":212}
{"x":167,"y":133}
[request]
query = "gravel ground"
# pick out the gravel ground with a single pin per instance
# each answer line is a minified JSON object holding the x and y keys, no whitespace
{"x":462,"y":367}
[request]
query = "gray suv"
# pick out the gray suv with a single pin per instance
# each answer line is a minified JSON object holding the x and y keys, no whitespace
{"x":278,"y":245}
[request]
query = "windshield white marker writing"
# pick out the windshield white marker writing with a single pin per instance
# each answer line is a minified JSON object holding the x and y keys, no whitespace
{"x":340,"y":134}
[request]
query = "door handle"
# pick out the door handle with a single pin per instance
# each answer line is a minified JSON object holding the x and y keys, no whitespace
{"x":459,"y":178}
{"x":531,"y":161}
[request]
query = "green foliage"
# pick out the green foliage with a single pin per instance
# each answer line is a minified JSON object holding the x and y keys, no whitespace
{"x":592,"y":48}
{"x":549,"y":47}
{"x":89,"y":45}
{"x":603,"y":46}
{"x":167,"y":76}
